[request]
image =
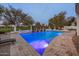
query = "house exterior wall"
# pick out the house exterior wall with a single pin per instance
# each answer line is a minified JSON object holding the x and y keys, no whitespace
{"x":77,"y":18}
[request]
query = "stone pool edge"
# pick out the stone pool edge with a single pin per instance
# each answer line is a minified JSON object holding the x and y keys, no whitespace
{"x":22,"y":48}
{"x":66,"y":49}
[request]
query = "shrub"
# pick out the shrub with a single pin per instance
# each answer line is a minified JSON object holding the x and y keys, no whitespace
{"x":5,"y":30}
{"x":23,"y":28}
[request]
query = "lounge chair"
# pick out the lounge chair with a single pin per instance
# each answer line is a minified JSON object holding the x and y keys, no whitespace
{"x":12,"y":40}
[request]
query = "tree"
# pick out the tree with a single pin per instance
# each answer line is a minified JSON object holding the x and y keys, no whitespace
{"x":12,"y":15}
{"x":17,"y":16}
{"x":2,"y":10}
{"x":70,"y":21}
{"x":57,"y":21}
{"x":38,"y":25}
{"x":28,"y":20}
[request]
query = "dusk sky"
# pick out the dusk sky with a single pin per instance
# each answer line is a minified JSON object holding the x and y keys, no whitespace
{"x":43,"y":12}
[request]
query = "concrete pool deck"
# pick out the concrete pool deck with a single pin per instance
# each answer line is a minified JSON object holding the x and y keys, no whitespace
{"x":61,"y":46}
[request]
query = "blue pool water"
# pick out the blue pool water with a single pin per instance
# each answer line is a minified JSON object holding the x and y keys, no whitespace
{"x":40,"y":40}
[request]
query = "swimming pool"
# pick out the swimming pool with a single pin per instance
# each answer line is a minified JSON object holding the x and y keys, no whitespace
{"x":40,"y":40}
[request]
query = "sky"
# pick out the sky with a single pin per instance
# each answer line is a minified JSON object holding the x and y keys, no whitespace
{"x":42,"y":12}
